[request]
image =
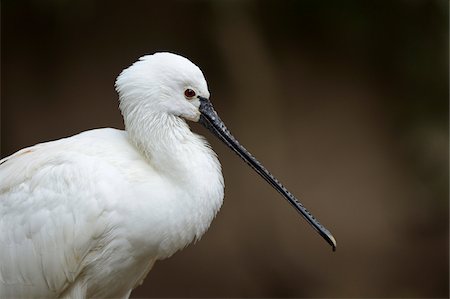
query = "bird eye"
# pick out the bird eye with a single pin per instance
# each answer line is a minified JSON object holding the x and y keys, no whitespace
{"x":189,"y":93}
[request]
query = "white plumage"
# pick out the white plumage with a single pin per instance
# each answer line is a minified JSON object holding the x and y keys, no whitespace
{"x":88,"y":215}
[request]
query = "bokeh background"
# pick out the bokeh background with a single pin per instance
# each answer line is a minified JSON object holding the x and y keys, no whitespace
{"x":346,"y":102}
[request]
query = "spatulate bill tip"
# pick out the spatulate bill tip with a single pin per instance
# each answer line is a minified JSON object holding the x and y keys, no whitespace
{"x":332,"y":242}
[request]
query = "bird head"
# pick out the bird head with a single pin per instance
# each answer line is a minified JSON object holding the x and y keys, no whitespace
{"x":163,"y":83}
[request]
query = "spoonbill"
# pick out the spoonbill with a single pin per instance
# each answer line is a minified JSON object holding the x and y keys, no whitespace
{"x":88,"y":215}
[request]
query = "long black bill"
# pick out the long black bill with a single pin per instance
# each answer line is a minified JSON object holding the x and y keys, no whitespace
{"x":210,"y":120}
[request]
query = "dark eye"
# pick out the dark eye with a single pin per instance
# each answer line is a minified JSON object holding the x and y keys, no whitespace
{"x":189,"y":93}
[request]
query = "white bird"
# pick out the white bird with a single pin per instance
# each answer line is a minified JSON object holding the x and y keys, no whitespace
{"x":88,"y":215}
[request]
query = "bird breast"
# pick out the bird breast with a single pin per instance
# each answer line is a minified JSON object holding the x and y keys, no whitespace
{"x":174,"y":205}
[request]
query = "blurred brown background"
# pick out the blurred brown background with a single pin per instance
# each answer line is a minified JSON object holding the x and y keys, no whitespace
{"x":346,"y":102}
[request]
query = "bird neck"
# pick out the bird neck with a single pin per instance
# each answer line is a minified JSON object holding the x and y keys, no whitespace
{"x":165,"y":141}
